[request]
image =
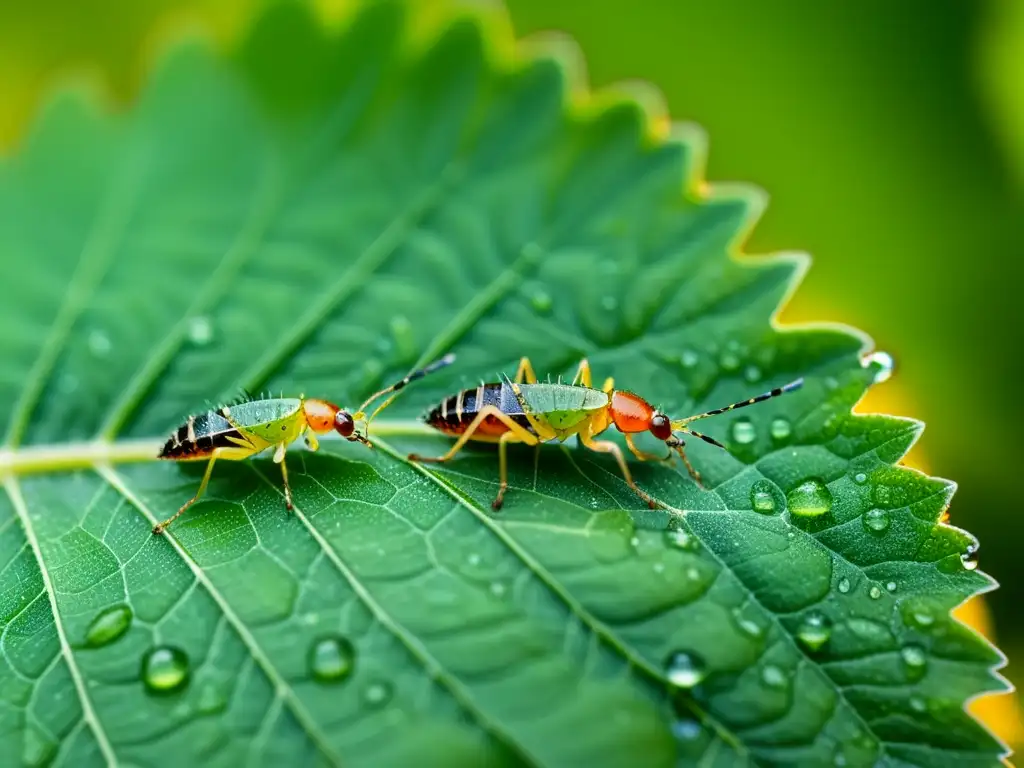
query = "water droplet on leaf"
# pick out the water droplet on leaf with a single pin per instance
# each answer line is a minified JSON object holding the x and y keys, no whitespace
{"x":109,"y":625}
{"x":915,"y":662}
{"x":844,"y":585}
{"x":165,"y":669}
{"x":752,"y":374}
{"x":541,"y":302}
{"x":810,"y":499}
{"x":681,"y":539}
{"x":876,"y":521}
{"x":99,"y":343}
{"x":761,"y":497}
{"x":685,"y":670}
{"x":686,"y":729}
{"x":874,"y":593}
{"x":883,"y":365}
{"x":860,"y":478}
{"x":331,"y":659}
{"x":814,"y":631}
{"x":773,"y":676}
{"x":200,"y":330}
{"x":743,"y":431}
{"x":688,"y":358}
{"x":729,"y":361}
{"x":781,"y":429}
{"x":891,"y":586}
{"x":378,"y":693}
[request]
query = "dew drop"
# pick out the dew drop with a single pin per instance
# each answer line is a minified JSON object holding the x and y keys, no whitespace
{"x":498,"y":588}
{"x":688,"y":358}
{"x":814,"y":631}
{"x":685,"y":670}
{"x":882,"y":363}
{"x":743,"y":431}
{"x":914,"y":661}
{"x":609,"y":303}
{"x":473,"y":559}
{"x":749,"y":627}
{"x":634,"y":542}
{"x":378,"y":693}
{"x":541,"y":302}
{"x":165,"y":669}
{"x":692,"y":573}
{"x":331,"y":659}
{"x":681,"y":539}
{"x":686,"y":730}
{"x":773,"y":676}
{"x":860,"y":478}
{"x":99,"y":343}
{"x":922,"y":618}
{"x":970,"y":558}
{"x":752,"y":374}
{"x":761,"y":497}
{"x":874,"y":593}
{"x":780,"y":429}
{"x":891,"y":586}
{"x":918,"y":704}
{"x":200,"y":330}
{"x":109,"y":625}
{"x":876,"y":521}
{"x":810,"y":499}
{"x":729,"y":361}
{"x":844,"y":585}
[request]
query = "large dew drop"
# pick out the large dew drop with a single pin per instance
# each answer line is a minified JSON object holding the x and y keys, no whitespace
{"x":743,"y":431}
{"x":882,"y":364}
{"x":814,"y":631}
{"x":761,"y":497}
{"x":810,"y":499}
{"x":915,"y":662}
{"x":876,"y":520}
{"x":685,"y":670}
{"x":165,"y":669}
{"x":331,"y":659}
{"x":109,"y":625}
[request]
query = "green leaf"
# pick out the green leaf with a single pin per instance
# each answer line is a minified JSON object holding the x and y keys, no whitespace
{"x":317,"y":214}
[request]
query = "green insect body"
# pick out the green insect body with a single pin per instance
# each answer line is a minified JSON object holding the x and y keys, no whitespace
{"x":562,"y":407}
{"x":274,"y":420}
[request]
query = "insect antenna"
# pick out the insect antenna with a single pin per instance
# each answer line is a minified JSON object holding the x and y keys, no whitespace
{"x":680,"y":424}
{"x":398,"y":385}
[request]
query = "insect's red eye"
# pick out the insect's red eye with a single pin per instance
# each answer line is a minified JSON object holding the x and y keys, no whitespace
{"x":344,"y":424}
{"x":661,"y":427}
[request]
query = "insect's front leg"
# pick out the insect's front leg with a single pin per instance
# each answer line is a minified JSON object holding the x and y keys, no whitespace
{"x":311,"y":440}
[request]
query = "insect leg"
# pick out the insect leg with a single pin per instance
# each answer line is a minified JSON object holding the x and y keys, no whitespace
{"x":504,"y":440}
{"x":525,"y":372}
{"x":311,"y":440}
{"x":679,"y":447}
{"x":279,"y":458}
{"x":644,"y":455}
{"x":488,"y":410}
{"x":607,"y":446}
{"x":583,"y":374}
{"x":160,"y":527}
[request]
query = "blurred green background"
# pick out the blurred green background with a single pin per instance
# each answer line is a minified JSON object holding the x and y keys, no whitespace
{"x":890,"y":137}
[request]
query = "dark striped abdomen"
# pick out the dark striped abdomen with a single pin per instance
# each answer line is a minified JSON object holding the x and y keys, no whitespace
{"x":199,"y":436}
{"x":454,"y":414}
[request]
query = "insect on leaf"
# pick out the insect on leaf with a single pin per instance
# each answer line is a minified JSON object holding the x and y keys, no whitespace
{"x":317,"y":213}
